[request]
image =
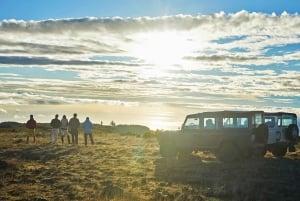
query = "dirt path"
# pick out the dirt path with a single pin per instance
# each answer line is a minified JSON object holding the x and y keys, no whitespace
{"x":130,"y":168}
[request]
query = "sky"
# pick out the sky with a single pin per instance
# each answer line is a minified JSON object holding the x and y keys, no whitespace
{"x":147,"y":62}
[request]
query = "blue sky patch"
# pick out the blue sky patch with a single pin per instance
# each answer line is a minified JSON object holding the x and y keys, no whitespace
{"x":229,"y":39}
{"x":282,"y":50}
{"x":40,"y":73}
{"x":113,"y":58}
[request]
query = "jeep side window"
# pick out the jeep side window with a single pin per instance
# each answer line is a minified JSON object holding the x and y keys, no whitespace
{"x":192,"y":123}
{"x":238,"y":122}
{"x":228,"y":123}
{"x":286,"y":121}
{"x":270,"y":121}
{"x":209,"y":123}
{"x":258,"y":119}
{"x":242,"y":122}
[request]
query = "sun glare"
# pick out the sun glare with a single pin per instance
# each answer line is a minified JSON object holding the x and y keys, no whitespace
{"x":160,"y":48}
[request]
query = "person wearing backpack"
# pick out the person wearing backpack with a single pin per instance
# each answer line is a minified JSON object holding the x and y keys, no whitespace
{"x":55,"y":124}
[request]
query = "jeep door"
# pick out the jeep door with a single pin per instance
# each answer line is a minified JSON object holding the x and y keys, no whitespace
{"x":209,"y":137}
{"x":205,"y":136}
{"x":274,"y":131}
{"x":190,"y":132}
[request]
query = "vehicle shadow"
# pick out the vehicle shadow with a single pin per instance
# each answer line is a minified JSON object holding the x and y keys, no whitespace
{"x":270,"y":178}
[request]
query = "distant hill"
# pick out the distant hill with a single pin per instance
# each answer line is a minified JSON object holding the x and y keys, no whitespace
{"x":122,"y":129}
{"x":10,"y":124}
{"x":134,"y":129}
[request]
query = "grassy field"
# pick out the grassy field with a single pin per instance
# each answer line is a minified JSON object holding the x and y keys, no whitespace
{"x":128,"y":167}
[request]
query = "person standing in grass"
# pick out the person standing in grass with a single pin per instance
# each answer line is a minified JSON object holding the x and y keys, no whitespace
{"x":74,"y":125}
{"x":55,"y":124}
{"x":64,"y":129}
{"x":31,"y":126}
{"x":87,"y":128}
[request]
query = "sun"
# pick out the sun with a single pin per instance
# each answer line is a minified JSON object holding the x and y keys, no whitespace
{"x":160,"y":48}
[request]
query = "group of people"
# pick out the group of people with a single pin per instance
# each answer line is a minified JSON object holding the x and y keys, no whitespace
{"x":63,"y":127}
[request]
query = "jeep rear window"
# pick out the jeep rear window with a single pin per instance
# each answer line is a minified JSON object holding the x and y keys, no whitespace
{"x":235,"y":122}
{"x":286,"y":121}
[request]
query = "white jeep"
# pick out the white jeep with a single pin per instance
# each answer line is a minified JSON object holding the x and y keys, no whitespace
{"x":283,"y":132}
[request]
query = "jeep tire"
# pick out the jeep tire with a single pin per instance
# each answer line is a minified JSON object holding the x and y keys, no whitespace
{"x":279,"y":150}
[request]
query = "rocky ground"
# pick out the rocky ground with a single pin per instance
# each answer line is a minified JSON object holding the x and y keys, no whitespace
{"x":129,"y":168}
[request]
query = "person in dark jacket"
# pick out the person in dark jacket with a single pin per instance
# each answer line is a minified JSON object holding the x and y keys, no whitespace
{"x":55,"y":124}
{"x":31,"y":126}
{"x":74,"y":125}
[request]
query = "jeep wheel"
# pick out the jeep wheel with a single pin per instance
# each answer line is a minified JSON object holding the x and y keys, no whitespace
{"x":279,"y":150}
{"x":227,"y":152}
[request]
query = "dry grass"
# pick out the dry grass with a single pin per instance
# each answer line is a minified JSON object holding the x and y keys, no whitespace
{"x":129,"y":168}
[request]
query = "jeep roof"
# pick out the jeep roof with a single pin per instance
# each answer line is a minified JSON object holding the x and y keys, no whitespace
{"x":280,"y":114}
{"x":224,"y":112}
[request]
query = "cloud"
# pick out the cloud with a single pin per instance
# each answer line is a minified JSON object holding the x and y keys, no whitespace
{"x":92,"y":36}
{"x":230,"y":60}
{"x":217,"y":58}
{"x":21,"y":60}
{"x":3,"y":111}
